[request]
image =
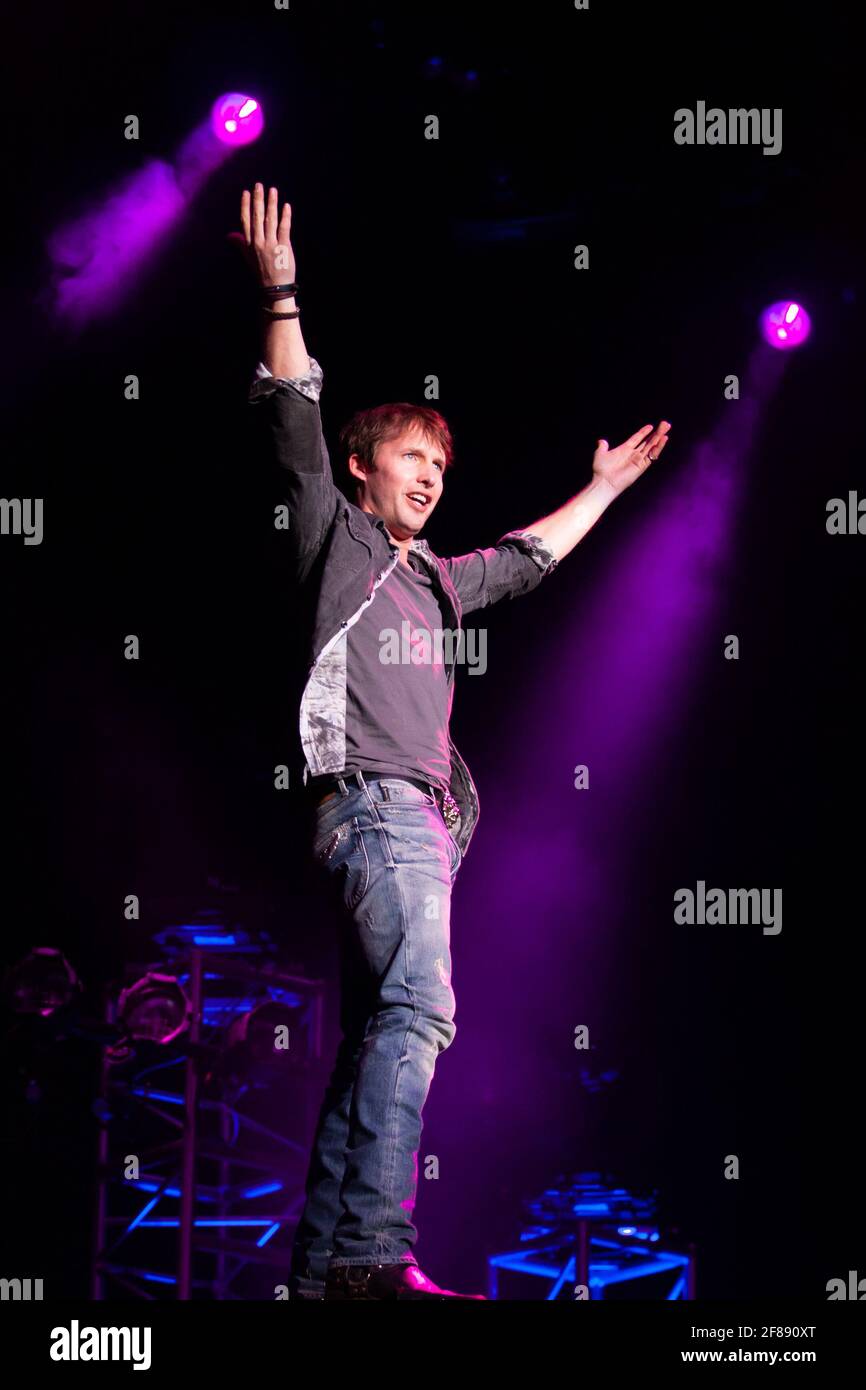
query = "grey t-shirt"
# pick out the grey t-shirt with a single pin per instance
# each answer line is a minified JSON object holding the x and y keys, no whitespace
{"x":397,"y":711}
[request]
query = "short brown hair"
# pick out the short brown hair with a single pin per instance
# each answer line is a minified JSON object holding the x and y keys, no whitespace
{"x":367,"y":429}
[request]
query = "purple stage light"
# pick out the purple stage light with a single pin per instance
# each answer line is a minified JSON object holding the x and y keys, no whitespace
{"x":785,"y":324}
{"x":100,"y":255}
{"x":237,"y":119}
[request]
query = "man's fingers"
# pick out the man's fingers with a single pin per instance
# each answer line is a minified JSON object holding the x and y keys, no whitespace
{"x":658,"y":440}
{"x":271,"y":215}
{"x":261,"y":219}
{"x":657,"y":432}
{"x":258,"y":214}
{"x":635,"y":439}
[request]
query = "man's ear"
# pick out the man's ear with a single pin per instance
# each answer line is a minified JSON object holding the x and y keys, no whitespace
{"x":358,"y":469}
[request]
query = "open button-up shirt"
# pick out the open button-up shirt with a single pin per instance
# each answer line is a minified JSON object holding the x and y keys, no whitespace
{"x":346,"y":554}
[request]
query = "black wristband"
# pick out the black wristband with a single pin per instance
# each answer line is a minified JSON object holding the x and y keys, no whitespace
{"x":272,"y":314}
{"x":278,"y":291}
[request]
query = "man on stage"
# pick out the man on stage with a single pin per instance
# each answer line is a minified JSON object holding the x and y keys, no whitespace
{"x":392,"y":802}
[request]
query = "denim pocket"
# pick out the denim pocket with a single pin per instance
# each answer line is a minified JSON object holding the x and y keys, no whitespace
{"x":457,"y":851}
{"x":340,"y":850}
{"x":329,"y":840}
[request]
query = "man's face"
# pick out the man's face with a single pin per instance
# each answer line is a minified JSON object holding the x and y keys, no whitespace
{"x":406,"y":469}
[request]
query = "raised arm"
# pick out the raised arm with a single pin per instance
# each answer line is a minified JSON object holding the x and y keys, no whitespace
{"x":613,"y":470}
{"x":285,"y":395}
{"x":265,"y":239}
{"x":521,"y":559}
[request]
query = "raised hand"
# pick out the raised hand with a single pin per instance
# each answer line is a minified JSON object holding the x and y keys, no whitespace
{"x":264,"y":238}
{"x":621,"y":466}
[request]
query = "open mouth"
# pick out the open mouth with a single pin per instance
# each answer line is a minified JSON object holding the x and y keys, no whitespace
{"x":419,"y":501}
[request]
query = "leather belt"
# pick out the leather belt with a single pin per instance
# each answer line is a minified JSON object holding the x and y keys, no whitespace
{"x":323,"y":788}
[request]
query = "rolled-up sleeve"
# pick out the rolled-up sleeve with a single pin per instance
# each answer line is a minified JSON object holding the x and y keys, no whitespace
{"x":288,"y":433}
{"x":515,"y":565}
{"x":309,"y":385}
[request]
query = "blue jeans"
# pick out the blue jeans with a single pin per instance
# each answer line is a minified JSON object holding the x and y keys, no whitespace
{"x":392,"y":861}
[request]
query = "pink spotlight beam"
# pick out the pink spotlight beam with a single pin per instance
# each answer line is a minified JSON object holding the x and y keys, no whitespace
{"x":100,"y":254}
